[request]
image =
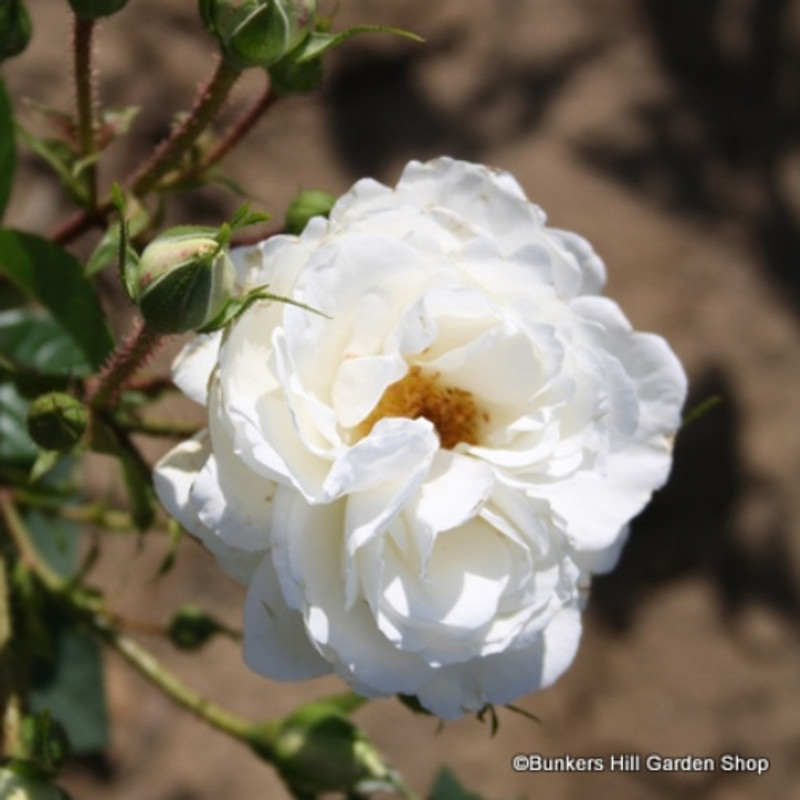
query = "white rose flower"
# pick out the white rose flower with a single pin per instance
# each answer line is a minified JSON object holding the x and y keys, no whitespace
{"x":417,"y":487}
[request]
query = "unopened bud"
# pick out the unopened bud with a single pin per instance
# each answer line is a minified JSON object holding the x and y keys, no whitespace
{"x":92,"y":9}
{"x":258,"y":33}
{"x":184,"y":279}
{"x":318,"y":749}
{"x":305,"y":206}
{"x":15,"y":28}
{"x":191,"y":627}
{"x":57,"y":421}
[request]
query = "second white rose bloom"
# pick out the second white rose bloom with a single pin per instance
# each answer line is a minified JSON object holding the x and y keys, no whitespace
{"x":417,"y":487}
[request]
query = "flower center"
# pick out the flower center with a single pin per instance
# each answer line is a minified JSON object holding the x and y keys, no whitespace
{"x":452,"y":411}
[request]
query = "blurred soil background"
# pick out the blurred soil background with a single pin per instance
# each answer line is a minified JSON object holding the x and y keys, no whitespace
{"x":668,"y":133}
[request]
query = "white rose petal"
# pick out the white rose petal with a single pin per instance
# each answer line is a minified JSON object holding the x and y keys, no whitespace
{"x":417,"y":487}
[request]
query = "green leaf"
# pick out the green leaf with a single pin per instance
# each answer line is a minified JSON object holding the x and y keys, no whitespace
{"x":317,"y":44}
{"x":35,"y":341}
{"x":16,"y":446}
{"x":244,"y":217}
{"x":36,"y":346}
{"x":700,"y":410}
{"x":136,"y":219}
{"x":70,"y":685}
{"x":60,"y":122}
{"x":49,"y":274}
{"x":45,"y":461}
{"x":69,"y":681}
{"x":36,"y":355}
{"x":446,"y":787}
{"x":63,"y":161}
{"x":55,"y":538}
{"x":236,"y":306}
{"x":105,"y":253}
{"x":300,"y":71}
{"x":8,"y":152}
{"x":128,"y":258}
{"x":289,"y":77}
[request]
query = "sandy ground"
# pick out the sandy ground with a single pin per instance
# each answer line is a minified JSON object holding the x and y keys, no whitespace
{"x":667,"y":133}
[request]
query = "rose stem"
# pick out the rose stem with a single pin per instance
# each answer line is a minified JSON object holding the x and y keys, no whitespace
{"x":166,"y":157}
{"x":184,"y":135}
{"x":92,"y":609}
{"x":152,"y":426}
{"x":133,"y":353}
{"x":237,"y":131}
{"x":84,"y":91}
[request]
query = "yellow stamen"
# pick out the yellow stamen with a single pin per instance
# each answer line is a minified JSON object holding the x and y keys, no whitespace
{"x":452,"y":411}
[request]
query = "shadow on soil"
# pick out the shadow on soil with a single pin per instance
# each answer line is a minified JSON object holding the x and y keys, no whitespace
{"x":379,"y":111}
{"x":691,"y":528}
{"x":723,"y":144}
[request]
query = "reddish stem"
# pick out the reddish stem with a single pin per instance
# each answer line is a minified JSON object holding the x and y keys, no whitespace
{"x":240,"y":128}
{"x":168,"y":156}
{"x":84,"y":90}
{"x":134,"y":353}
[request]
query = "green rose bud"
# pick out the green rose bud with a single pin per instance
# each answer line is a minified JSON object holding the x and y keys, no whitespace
{"x":305,"y":206}
{"x":57,"y":421}
{"x":318,"y":749}
{"x":18,"y":783}
{"x":258,"y":33}
{"x":184,"y":279}
{"x":191,"y":627}
{"x":15,"y":28}
{"x":92,"y":9}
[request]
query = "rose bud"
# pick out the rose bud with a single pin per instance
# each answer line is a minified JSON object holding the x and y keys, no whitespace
{"x":191,"y":627}
{"x":318,"y":749}
{"x":184,"y":279}
{"x":258,"y":33}
{"x":304,"y":207}
{"x":57,"y":421}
